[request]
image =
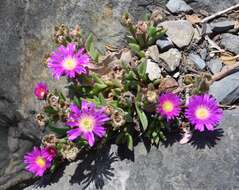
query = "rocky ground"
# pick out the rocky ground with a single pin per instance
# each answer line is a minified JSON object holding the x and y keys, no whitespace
{"x":26,"y":28}
{"x":209,"y":162}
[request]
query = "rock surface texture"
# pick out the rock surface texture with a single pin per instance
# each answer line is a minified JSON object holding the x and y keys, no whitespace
{"x":204,"y":164}
{"x":180,"y":32}
{"x":25,"y":37}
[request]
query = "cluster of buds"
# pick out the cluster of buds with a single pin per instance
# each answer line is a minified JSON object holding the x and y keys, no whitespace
{"x":50,"y":140}
{"x":41,"y":120}
{"x":75,"y":35}
{"x":69,"y":151}
{"x":141,"y":33}
{"x":151,"y":96}
{"x":117,"y":72}
{"x":127,"y":98}
{"x":60,"y":35}
{"x":61,"y":107}
{"x":118,"y":119}
{"x":53,"y":101}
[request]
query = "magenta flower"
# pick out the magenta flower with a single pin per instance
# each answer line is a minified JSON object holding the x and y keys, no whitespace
{"x":86,"y":122}
{"x":203,"y":111}
{"x":38,"y":161}
{"x":68,"y":61}
{"x":52,"y":152}
{"x":41,"y":90}
{"x":168,"y":105}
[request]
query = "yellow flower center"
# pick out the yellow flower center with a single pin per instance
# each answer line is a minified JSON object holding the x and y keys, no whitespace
{"x":87,"y":123}
{"x":167,"y":106}
{"x":69,"y":63}
{"x":41,"y":162}
{"x":202,"y":113}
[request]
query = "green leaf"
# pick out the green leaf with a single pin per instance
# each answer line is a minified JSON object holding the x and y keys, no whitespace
{"x":97,"y":78}
{"x":101,"y":99}
{"x":146,"y":17}
{"x":142,"y":117}
{"x":160,"y":33}
{"x":89,"y":45}
{"x":81,"y":142}
{"x":130,"y":39}
{"x":89,"y":42}
{"x":77,"y":101}
{"x":131,"y":75}
{"x":93,"y":53}
{"x":152,"y":31}
{"x":50,"y":110}
{"x":130,"y":143}
{"x":120,"y":138}
{"x":98,"y":88}
{"x":136,"y":49}
{"x":57,"y":130}
{"x":142,"y":69}
{"x":62,"y":97}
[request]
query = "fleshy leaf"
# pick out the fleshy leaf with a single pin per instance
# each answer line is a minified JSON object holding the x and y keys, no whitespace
{"x":142,"y":117}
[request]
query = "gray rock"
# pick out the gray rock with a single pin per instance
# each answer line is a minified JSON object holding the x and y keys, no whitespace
{"x":230,"y":42}
{"x":212,"y":6}
{"x":197,"y":60}
{"x":203,"y":53}
{"x":207,"y":29}
{"x":25,"y":37}
{"x":164,"y":44}
{"x":153,"y":70}
{"x":171,"y":59}
{"x":197,"y":35}
{"x":226,"y":90}
{"x":173,"y":166}
{"x":222,"y":26}
{"x":178,"y":6}
{"x":153,"y":52}
{"x":180,"y":32}
{"x":215,"y":65}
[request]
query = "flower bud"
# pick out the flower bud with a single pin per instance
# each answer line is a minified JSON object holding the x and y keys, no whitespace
{"x":53,"y":101}
{"x":69,"y":151}
{"x":118,"y":119}
{"x":41,"y":90}
{"x":151,"y":96}
{"x":41,"y":120}
{"x":50,"y":140}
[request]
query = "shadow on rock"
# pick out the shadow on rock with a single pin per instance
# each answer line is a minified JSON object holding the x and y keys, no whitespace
{"x":51,"y":178}
{"x":124,"y":153}
{"x":201,"y":140}
{"x":95,"y":168}
{"x":171,"y":137}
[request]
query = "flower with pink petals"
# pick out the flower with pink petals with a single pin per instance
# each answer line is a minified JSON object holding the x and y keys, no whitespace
{"x":168,"y":105}
{"x":203,"y":112}
{"x":52,"y":152}
{"x":38,"y":161}
{"x":68,"y":61}
{"x":41,"y":90}
{"x":86,"y":122}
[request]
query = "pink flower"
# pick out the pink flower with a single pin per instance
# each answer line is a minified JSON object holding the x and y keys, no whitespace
{"x":41,"y":90}
{"x":168,"y":105}
{"x":86,"y":122}
{"x":203,"y":112}
{"x":38,"y":161}
{"x":68,"y":61}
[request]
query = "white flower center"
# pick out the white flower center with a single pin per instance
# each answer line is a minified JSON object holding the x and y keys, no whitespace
{"x":69,"y":63}
{"x":202,"y":113}
{"x":87,"y":123}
